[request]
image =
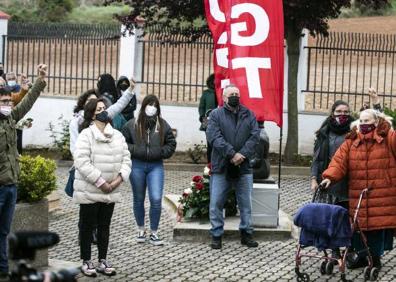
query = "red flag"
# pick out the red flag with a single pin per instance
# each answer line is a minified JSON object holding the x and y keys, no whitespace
{"x":249,"y":52}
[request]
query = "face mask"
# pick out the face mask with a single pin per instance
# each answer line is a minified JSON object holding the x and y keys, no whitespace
{"x":1,"y":72}
{"x":233,"y":101}
{"x":103,"y":117}
{"x":123,"y":87}
{"x":150,"y":110}
{"x":366,"y":128}
{"x":342,"y":119}
{"x":5,"y":110}
{"x":11,"y":83}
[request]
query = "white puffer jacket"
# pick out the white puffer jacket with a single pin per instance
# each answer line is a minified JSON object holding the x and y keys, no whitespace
{"x":99,"y":155}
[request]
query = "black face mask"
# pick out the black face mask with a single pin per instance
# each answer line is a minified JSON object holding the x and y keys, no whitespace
{"x":233,"y":101}
{"x":103,"y":117}
{"x":1,"y":72}
{"x":123,"y":87}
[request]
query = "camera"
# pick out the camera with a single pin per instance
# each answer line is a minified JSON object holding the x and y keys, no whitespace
{"x":23,"y":246}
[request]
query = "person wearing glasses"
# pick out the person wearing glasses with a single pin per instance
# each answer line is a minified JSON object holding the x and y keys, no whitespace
{"x":233,"y":133}
{"x":9,"y":168}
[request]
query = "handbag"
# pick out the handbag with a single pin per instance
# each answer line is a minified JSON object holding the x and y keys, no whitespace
{"x":69,"y":189}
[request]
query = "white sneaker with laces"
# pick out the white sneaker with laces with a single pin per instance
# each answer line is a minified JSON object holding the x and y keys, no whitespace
{"x":105,"y":268}
{"x":88,"y":269}
{"x":141,"y":238}
{"x":155,"y":240}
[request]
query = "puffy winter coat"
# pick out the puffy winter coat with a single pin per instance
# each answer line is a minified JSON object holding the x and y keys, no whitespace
{"x":369,"y":161}
{"x":99,"y":155}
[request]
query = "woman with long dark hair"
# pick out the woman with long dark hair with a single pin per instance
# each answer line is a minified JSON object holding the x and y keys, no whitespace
{"x":102,"y":163}
{"x":150,"y":140}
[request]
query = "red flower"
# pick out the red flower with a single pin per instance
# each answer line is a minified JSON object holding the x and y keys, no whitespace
{"x":185,"y":195}
{"x":209,"y":166}
{"x":197,"y":178}
{"x":199,"y":186}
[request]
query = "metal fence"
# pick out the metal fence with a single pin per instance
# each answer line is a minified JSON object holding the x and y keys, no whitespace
{"x":75,"y":54}
{"x":174,"y":67}
{"x":344,"y":65}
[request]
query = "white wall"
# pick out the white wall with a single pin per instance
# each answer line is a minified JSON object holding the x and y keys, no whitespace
{"x":183,"y":118}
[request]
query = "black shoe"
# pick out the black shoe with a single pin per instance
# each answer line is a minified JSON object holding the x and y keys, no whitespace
{"x":247,"y":239}
{"x":95,"y":237}
{"x":359,"y":263}
{"x":216,"y":243}
{"x":377,"y":262}
{"x":4,"y":277}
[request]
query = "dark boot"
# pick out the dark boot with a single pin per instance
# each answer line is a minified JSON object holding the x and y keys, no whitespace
{"x":358,"y":263}
{"x":4,"y":277}
{"x":377,"y":262}
{"x":247,"y":239}
{"x":216,"y":243}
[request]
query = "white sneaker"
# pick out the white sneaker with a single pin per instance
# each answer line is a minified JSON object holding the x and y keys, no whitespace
{"x":141,"y":238}
{"x":88,"y":269}
{"x":105,"y":268}
{"x":155,"y":240}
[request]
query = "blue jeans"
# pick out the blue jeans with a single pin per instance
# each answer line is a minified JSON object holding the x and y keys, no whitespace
{"x":147,"y":175}
{"x":219,"y":187}
{"x":8,"y":197}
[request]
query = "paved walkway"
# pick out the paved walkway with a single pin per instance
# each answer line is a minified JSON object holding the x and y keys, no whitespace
{"x":175,"y":261}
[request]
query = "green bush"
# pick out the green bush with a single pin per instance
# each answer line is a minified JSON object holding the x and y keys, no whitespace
{"x":197,"y":153}
{"x":37,"y":179}
{"x":54,"y":10}
{"x":392,"y":114}
{"x":61,"y":138}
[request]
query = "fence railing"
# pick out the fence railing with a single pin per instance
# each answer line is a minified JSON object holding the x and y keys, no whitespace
{"x":174,"y":67}
{"x":344,"y":65}
{"x":74,"y":58}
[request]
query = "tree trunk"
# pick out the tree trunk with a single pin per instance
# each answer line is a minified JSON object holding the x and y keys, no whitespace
{"x":293,"y":52}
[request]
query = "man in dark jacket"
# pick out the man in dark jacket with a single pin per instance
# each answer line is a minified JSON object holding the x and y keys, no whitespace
{"x":233,"y":133}
{"x":9,"y":168}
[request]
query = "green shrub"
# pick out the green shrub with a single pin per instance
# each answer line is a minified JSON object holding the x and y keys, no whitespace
{"x":54,"y":10}
{"x":61,"y":138}
{"x":37,"y":179}
{"x":197,"y":153}
{"x":392,"y":114}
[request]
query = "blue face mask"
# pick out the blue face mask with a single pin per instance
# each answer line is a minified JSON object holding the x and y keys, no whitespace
{"x":103,"y":117}
{"x":11,"y":83}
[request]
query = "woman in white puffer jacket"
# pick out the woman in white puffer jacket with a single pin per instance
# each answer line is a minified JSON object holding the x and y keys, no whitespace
{"x":102,"y":163}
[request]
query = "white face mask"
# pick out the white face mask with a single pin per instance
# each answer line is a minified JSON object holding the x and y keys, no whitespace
{"x":11,"y":83}
{"x":150,"y":110}
{"x":5,"y":110}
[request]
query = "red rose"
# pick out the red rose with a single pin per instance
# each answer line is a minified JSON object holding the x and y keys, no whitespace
{"x":210,"y":166}
{"x":197,"y":178}
{"x":185,"y":195}
{"x":199,"y":186}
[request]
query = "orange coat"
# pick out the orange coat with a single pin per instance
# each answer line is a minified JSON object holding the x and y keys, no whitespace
{"x":369,"y":161}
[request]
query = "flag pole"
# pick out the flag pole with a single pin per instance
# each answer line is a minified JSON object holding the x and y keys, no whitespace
{"x":280,"y":156}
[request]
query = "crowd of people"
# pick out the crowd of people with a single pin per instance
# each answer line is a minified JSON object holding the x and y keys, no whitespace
{"x":111,"y":145}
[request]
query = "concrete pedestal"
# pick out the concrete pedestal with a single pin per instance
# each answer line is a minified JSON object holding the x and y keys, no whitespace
{"x":265,"y":205}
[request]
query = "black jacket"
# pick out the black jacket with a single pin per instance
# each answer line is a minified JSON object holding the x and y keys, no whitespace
{"x":151,"y":150}
{"x":229,"y":133}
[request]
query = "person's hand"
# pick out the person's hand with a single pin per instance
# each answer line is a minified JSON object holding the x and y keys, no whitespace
{"x":374,"y":96}
{"x":314,"y":184}
{"x":116,"y":182}
{"x":237,"y":159}
{"x":25,"y":83}
{"x":42,"y":71}
{"x":325,"y":183}
{"x":132,"y":84}
{"x":106,"y":188}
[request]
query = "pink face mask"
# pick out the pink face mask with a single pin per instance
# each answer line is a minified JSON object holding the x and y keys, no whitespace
{"x":366,"y":128}
{"x":342,"y":119}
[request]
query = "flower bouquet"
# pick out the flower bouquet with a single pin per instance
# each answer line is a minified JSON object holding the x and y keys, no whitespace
{"x":195,"y":200}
